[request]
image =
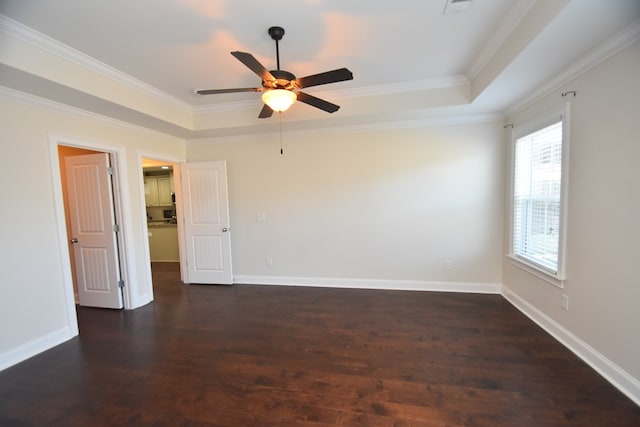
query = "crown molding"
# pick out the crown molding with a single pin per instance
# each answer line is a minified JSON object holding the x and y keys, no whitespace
{"x":618,"y":42}
{"x":400,"y":87}
{"x":61,"y":50}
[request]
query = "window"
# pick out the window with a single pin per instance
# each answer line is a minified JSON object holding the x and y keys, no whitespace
{"x":538,"y":194}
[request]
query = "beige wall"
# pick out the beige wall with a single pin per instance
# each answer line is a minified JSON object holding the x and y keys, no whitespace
{"x":603,"y":236}
{"x":33,"y":290}
{"x":387,"y":205}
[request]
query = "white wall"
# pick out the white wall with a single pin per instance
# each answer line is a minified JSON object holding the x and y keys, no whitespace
{"x":33,"y":305}
{"x":603,"y":246}
{"x":355,"y":208}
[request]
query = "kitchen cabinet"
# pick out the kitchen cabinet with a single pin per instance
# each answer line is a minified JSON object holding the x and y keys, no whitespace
{"x":165,"y":190}
{"x":158,"y":190}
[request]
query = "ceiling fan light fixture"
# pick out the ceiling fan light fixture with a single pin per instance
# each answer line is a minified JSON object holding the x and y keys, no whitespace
{"x":279,"y":99}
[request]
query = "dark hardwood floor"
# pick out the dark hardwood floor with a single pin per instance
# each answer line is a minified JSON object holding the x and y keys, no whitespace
{"x":291,"y":356}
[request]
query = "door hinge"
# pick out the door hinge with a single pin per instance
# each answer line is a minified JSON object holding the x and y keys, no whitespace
{"x":110,"y":171}
{"x":116,"y":228}
{"x":121,"y":284}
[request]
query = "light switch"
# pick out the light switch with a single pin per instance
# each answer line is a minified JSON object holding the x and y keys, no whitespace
{"x":261,"y":216}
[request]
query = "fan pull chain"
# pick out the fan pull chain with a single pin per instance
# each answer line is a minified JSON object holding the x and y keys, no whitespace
{"x":281,"y":149}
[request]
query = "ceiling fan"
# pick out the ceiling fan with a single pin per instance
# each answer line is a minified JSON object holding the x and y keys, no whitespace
{"x":280,"y":88}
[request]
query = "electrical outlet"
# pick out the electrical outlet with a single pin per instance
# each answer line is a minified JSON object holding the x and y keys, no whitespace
{"x":565,"y":302}
{"x":268,"y":261}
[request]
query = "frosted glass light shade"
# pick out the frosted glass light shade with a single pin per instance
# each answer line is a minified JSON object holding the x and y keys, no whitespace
{"x":279,"y":99}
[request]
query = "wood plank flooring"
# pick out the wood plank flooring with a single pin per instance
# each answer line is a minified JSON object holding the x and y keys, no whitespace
{"x":291,"y":356}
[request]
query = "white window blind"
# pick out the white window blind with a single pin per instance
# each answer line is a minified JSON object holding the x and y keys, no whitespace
{"x":536,"y":197}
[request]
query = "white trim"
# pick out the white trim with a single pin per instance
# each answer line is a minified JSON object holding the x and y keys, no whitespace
{"x":34,"y":347}
{"x":396,"y":285}
{"x":617,"y":376}
{"x":387,"y":89}
{"x":61,"y":226}
{"x":537,"y":271}
{"x":132,"y":297}
{"x":143,"y":224}
{"x":562,"y":113}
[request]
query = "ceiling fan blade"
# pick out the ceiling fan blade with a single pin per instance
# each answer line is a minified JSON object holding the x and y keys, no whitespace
{"x":266,"y":112}
{"x":240,"y":89}
{"x":317,"y":102}
{"x":252,"y":63}
{"x":333,"y":76}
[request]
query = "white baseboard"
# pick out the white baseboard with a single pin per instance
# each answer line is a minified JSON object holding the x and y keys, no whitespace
{"x":33,"y":347}
{"x":617,"y":376}
{"x":398,"y":285}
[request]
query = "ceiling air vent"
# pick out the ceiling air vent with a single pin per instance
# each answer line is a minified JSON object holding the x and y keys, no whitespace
{"x":451,"y":7}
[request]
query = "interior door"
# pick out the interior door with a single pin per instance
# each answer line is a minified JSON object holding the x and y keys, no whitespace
{"x":91,"y":213}
{"x":206,"y":222}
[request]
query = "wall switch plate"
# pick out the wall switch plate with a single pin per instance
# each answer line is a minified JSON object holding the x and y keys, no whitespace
{"x":565,"y":302}
{"x":268,"y":261}
{"x":261,"y":216}
{"x":447,"y":264}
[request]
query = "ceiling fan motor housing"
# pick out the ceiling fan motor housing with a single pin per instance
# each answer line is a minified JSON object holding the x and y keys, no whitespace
{"x":284,"y":80}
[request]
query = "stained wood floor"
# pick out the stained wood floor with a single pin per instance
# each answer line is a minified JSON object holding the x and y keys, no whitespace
{"x":286,"y":356}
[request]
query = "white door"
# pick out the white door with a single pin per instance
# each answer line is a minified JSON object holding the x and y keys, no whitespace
{"x":91,"y":213}
{"x":206,"y":222}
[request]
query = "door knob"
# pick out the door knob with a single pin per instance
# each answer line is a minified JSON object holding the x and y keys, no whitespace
{"x":74,"y":240}
{"x":225,"y":229}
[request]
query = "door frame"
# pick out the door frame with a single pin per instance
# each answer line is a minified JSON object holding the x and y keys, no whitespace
{"x":175,"y":164}
{"x":120,"y":191}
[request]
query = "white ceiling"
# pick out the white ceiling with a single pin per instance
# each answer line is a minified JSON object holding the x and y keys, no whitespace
{"x":409,"y":59}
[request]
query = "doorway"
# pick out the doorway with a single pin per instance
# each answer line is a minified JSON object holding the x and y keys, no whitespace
{"x":160,"y":187}
{"x":91,"y":216}
{"x":161,"y":181}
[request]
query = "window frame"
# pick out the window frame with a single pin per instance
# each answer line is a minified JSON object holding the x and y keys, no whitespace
{"x":562,"y":114}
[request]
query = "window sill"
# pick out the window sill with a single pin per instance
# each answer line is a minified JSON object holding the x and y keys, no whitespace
{"x":554,"y":279}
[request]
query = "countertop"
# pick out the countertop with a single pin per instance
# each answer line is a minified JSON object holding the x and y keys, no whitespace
{"x":160,"y":223}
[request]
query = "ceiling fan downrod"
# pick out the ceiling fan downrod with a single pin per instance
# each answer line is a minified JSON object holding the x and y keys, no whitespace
{"x":276,"y":34}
